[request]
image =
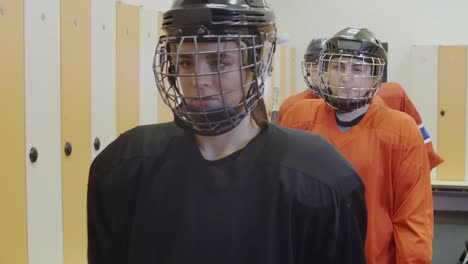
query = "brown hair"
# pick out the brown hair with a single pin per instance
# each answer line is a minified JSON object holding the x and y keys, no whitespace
{"x":259,"y":114}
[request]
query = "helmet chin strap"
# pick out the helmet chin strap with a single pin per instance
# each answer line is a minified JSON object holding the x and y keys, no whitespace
{"x":350,"y":116}
{"x":212,"y":122}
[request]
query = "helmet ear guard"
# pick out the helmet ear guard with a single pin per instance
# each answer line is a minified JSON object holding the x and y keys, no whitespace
{"x":311,"y":57}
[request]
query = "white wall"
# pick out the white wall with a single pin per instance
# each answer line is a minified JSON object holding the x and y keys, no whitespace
{"x":401,"y":23}
{"x":159,"y":5}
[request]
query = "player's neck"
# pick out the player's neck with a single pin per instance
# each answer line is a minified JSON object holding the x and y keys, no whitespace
{"x":348,"y":117}
{"x":218,"y":147}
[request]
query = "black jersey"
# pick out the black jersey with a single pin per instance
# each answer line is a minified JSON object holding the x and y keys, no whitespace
{"x":287,"y":197}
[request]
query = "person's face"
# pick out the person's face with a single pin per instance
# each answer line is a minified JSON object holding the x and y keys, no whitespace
{"x":210,"y":79}
{"x":349,"y":77}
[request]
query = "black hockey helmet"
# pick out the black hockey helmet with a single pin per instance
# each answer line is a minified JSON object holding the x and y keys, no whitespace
{"x":360,"y":48}
{"x":250,"y":23}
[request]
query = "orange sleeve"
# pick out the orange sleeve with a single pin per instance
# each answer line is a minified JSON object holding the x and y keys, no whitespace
{"x":413,"y":216}
{"x":396,"y":98}
{"x":409,"y":108}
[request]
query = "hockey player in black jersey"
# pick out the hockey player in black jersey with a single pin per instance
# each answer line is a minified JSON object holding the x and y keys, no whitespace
{"x":220,"y":185}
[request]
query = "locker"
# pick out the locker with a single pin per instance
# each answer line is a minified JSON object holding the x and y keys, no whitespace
{"x":452,"y":112}
{"x":283,"y":82}
{"x":13,"y":238}
{"x":466,"y":114}
{"x":423,"y":88}
{"x":42,"y":95}
{"x":292,"y":73}
{"x":148,"y":90}
{"x":103,"y":74}
{"x":128,"y":67}
{"x":75,"y":58}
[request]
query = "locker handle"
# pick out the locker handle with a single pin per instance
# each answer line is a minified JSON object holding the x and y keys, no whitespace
{"x":442,"y":113}
{"x":97,"y":143}
{"x":68,"y":148}
{"x":33,"y":154}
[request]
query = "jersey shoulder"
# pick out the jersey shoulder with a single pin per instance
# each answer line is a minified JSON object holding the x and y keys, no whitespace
{"x":304,"y":111}
{"x":293,"y":99}
{"x":393,"y":123}
{"x":392,"y":94}
{"x":141,"y":141}
{"x":391,"y":89}
{"x":312,"y":156}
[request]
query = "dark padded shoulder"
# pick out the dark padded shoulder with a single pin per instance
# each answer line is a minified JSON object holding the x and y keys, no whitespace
{"x":312,"y":155}
{"x":141,"y":141}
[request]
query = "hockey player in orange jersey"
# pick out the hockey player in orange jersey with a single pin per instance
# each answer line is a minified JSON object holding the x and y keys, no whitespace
{"x":393,"y":95}
{"x":384,"y":145}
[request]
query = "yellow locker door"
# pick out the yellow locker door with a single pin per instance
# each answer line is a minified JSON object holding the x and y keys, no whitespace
{"x":451,"y":130}
{"x":292,"y":80}
{"x":164,"y":112}
{"x":13,"y":234}
{"x":128,"y":64}
{"x":75,"y":40}
{"x":283,"y":59}
{"x":148,"y":90}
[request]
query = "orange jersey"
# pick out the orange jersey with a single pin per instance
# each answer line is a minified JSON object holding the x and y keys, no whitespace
{"x":292,"y":100}
{"x":387,"y":149}
{"x":394,"y":97}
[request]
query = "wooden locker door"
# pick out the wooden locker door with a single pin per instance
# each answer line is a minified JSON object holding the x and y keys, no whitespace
{"x":75,"y":40}
{"x":452,"y":112}
{"x":148,"y":89}
{"x":44,"y":182}
{"x":128,"y":67}
{"x":103,"y":77}
{"x":465,"y":183}
{"x":283,"y":82}
{"x":292,"y":68}
{"x":164,"y":112}
{"x":13,"y":234}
